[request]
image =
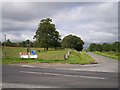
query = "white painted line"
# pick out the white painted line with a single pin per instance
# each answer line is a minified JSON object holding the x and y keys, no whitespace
{"x":88,"y":69}
{"x":92,"y":77}
{"x":19,"y":85}
{"x":63,"y":75}
{"x":0,"y":84}
{"x":28,"y":66}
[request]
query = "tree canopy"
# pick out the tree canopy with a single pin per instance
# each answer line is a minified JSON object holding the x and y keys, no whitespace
{"x":17,"y":44}
{"x":72,"y":42}
{"x":46,"y":34}
{"x":7,"y":43}
{"x":105,"y":47}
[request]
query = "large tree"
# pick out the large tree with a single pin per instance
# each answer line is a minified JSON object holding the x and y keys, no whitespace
{"x":115,"y":46}
{"x":7,"y":43}
{"x":46,"y":34}
{"x":106,"y":47}
{"x":26,"y":43}
{"x":73,"y":42}
{"x":92,"y":47}
{"x":98,"y":47}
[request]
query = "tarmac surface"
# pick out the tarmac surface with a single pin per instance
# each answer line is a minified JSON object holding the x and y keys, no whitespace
{"x":101,"y":75}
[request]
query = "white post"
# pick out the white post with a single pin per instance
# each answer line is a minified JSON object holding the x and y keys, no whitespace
{"x":5,"y":46}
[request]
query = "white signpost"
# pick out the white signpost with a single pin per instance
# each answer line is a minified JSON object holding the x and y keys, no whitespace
{"x":25,"y":55}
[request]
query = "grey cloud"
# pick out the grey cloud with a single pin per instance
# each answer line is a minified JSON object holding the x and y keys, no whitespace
{"x":8,"y":26}
{"x":19,"y":36}
{"x":31,"y":10}
{"x":93,"y":22}
{"x":100,"y":20}
{"x":20,"y":13}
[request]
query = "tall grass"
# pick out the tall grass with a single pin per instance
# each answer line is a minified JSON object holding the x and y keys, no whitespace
{"x":51,"y":56}
{"x":12,"y":52}
{"x":80,"y":58}
{"x":113,"y":55}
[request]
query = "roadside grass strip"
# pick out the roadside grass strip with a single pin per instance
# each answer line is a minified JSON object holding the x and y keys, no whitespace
{"x":113,"y":55}
{"x":50,"y":56}
{"x":80,"y":58}
{"x":74,"y":76}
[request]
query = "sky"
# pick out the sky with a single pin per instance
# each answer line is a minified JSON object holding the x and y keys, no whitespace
{"x":93,"y":22}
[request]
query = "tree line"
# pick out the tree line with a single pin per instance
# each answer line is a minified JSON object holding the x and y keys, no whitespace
{"x":47,"y":37}
{"x":17,"y":44}
{"x":105,"y":47}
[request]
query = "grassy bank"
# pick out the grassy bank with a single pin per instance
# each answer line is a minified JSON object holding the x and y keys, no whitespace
{"x":51,"y":56}
{"x":113,"y":55}
{"x":79,"y":58}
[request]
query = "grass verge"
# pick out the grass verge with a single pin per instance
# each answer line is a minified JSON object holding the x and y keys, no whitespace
{"x":80,"y":58}
{"x":113,"y":55}
{"x":75,"y":58}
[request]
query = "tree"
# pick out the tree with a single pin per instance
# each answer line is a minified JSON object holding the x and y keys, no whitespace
{"x":92,"y":47}
{"x":118,"y":46}
{"x":56,"y":40}
{"x":115,"y":46}
{"x":23,"y":44}
{"x":7,"y":43}
{"x":106,"y":47}
{"x":0,"y":44}
{"x":46,"y":34}
{"x":26,"y":43}
{"x":98,"y":47}
{"x":72,"y":42}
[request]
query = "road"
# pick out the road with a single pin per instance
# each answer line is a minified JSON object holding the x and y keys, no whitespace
{"x":104,"y":63}
{"x":61,"y":76}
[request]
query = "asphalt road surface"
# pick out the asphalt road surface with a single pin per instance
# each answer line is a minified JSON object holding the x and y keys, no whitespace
{"x":61,"y":76}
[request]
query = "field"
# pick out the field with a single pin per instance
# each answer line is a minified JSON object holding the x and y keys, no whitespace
{"x":114,"y":55}
{"x":13,"y":52}
{"x":51,"y":56}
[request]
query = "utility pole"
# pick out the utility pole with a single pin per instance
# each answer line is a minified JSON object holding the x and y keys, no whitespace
{"x":5,"y":45}
{"x":28,"y":49}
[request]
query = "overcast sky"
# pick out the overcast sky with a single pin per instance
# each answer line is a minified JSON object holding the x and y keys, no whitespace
{"x":93,"y":22}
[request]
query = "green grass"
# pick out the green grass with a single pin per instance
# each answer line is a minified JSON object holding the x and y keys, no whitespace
{"x":113,"y":55}
{"x":80,"y":58}
{"x":13,"y":52}
{"x":24,"y":61}
{"x":51,"y":56}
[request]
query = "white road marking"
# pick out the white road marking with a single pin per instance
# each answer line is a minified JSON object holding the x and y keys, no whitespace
{"x":18,"y":85}
{"x":63,"y":75}
{"x":1,"y":86}
{"x":28,"y":66}
{"x":93,"y":69}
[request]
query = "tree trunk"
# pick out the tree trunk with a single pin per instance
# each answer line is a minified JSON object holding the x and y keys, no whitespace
{"x":47,"y":48}
{"x":55,"y":48}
